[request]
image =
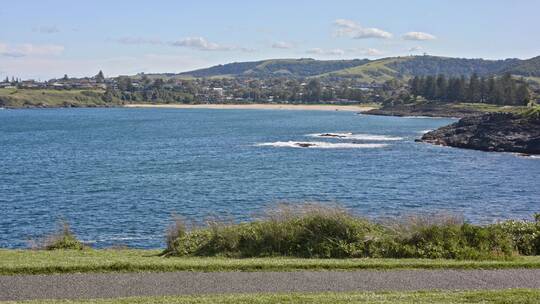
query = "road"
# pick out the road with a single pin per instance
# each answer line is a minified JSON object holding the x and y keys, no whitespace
{"x":85,"y":286}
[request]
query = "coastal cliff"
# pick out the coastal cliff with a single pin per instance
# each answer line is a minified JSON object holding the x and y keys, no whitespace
{"x":499,"y":132}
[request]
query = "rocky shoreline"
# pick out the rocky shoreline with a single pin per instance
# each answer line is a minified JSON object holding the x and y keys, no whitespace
{"x":498,"y":132}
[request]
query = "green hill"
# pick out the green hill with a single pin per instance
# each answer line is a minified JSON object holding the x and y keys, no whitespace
{"x":303,"y":67}
{"x":378,"y":70}
{"x":404,"y":67}
{"x":527,"y":68}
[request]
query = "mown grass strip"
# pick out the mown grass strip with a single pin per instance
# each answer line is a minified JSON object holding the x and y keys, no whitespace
{"x":13,"y":262}
{"x":524,"y":296}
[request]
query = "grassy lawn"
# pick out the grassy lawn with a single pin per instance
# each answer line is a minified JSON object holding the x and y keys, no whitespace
{"x":71,"y":261}
{"x":485,"y":297}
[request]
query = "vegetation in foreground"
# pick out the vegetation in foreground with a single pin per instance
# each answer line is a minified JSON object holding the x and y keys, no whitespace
{"x":309,"y":237}
{"x":524,"y":296}
{"x":63,"y":238}
{"x":317,"y":231}
{"x":13,"y":262}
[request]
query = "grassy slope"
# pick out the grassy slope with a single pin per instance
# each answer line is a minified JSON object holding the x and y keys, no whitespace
{"x":488,"y":108}
{"x":45,"y":262}
{"x":52,"y":98}
{"x":375,"y":71}
{"x":523,"y":296}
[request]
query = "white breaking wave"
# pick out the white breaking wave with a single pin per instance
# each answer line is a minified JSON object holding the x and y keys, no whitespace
{"x":527,"y":155}
{"x":424,"y":131}
{"x":352,"y":136}
{"x":320,"y":145}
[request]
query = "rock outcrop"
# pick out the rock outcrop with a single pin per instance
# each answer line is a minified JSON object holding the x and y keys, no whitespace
{"x":433,"y":109}
{"x":500,"y":132}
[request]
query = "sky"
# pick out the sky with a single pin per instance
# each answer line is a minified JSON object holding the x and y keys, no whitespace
{"x":47,"y":39}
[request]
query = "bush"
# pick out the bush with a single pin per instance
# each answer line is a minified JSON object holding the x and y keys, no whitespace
{"x":64,"y":238}
{"x":175,"y":231}
{"x":315,"y":231}
{"x":457,"y":241}
{"x":306,"y":231}
{"x":525,"y":235}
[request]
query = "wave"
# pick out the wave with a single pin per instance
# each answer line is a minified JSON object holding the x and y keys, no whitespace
{"x":529,"y":156}
{"x":371,"y":137}
{"x":320,"y":145}
{"x":424,"y":131}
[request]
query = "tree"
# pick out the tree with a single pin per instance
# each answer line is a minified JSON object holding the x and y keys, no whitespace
{"x":158,"y":84}
{"x":145,"y":80}
{"x":415,"y":86}
{"x":508,"y":86}
{"x":65,"y":78}
{"x":523,"y":96}
{"x":124,"y":83}
{"x":100,"y":78}
{"x":108,"y":96}
{"x":313,"y":90}
{"x":442,"y":87}
{"x":483,"y":90}
{"x":473,"y":90}
{"x":430,"y":87}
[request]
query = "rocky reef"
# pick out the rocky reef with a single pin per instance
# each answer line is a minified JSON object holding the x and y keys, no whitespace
{"x":499,"y":132}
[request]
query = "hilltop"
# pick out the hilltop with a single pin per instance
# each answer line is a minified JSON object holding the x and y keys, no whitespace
{"x":303,"y":67}
{"x":378,"y":70}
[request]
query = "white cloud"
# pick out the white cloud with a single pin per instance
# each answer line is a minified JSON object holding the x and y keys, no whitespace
{"x":319,"y":51}
{"x":199,"y":43}
{"x":369,"y":52}
{"x":354,"y":30}
{"x":28,"y":49}
{"x":282,"y":45}
{"x":47,"y":29}
{"x":418,"y":36}
{"x":196,"y":43}
{"x":416,"y":49}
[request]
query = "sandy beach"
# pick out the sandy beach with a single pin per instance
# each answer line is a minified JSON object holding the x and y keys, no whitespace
{"x":256,"y":107}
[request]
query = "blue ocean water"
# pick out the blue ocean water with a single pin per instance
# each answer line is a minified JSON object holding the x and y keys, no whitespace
{"x":117,"y":175}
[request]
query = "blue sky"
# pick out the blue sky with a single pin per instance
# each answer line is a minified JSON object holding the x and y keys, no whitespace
{"x":44,"y":39}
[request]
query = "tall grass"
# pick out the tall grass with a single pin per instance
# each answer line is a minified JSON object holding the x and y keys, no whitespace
{"x":318,"y":231}
{"x":62,"y":238}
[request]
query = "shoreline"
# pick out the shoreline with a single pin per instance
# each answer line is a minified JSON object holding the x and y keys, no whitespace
{"x":303,"y":107}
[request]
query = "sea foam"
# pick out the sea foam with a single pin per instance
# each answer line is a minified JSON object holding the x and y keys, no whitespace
{"x":351,"y":136}
{"x":320,"y":145}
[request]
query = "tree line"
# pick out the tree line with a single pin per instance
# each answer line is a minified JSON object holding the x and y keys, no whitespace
{"x":146,"y":89}
{"x":503,"y":90}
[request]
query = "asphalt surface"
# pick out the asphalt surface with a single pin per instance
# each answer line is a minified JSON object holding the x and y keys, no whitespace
{"x":85,"y":286}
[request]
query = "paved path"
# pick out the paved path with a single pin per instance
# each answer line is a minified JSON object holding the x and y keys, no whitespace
{"x":70,"y":286}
